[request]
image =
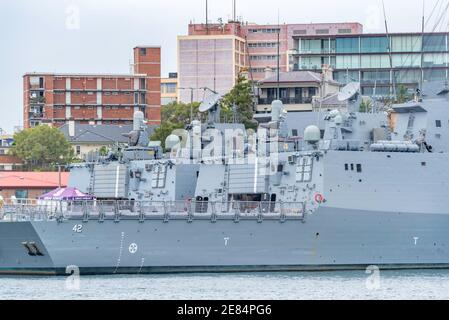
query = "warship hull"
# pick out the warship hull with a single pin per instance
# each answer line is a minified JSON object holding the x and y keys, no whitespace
{"x":329,"y":239}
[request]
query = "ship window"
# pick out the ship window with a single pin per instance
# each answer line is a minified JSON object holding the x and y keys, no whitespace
{"x":304,"y":169}
{"x":438,"y":123}
{"x":352,"y":167}
{"x":159,"y":175}
{"x":359,"y":168}
{"x":346,"y":167}
{"x":423,"y":164}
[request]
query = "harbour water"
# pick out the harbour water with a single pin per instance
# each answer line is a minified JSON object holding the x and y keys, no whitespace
{"x":390,"y":285}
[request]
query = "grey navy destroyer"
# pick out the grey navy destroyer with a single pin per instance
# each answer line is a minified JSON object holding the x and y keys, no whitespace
{"x":355,"y":189}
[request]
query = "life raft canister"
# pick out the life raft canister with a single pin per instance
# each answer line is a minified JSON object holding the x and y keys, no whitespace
{"x":319,"y":198}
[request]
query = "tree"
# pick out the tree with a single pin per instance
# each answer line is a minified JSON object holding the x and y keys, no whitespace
{"x":402,"y":95}
{"x":42,"y":147}
{"x":180,"y":113}
{"x":241,"y":96}
{"x":164,"y":130}
{"x":366,"y":106}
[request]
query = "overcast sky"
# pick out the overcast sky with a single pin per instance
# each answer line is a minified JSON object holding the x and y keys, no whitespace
{"x":98,"y":35}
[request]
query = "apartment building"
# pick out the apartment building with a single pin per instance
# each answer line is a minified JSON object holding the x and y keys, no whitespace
{"x":211,"y":56}
{"x":381,"y":63}
{"x":56,"y":98}
{"x":169,"y":89}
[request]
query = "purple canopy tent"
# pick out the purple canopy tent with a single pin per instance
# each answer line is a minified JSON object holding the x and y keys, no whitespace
{"x":66,"y":194}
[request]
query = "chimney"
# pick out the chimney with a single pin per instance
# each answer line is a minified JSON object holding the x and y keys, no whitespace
{"x":71,"y":128}
{"x":269,"y":72}
{"x":328,"y":73}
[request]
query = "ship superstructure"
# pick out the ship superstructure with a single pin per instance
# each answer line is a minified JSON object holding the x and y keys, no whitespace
{"x":355,"y":189}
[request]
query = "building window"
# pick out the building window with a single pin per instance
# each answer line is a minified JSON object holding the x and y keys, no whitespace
{"x":434,"y":43}
{"x":359,"y":168}
{"x":143,"y":51}
{"x":322,"y":31}
{"x":299,"y":31}
{"x":294,"y":132}
{"x":344,"y":31}
{"x":375,"y":44}
{"x":21,"y":194}
{"x":347,"y":45}
{"x":346,"y":167}
{"x":438,"y":123}
{"x":78,"y":150}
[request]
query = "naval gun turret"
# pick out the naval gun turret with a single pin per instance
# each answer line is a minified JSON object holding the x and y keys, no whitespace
{"x":138,"y":141}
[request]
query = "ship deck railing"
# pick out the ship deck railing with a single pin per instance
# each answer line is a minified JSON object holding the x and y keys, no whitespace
{"x":152,"y":210}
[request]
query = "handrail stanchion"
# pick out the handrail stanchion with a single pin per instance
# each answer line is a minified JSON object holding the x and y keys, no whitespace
{"x":116,"y":212}
{"x":190,"y":212}
{"x":166,"y":213}
{"x":214,"y":213}
{"x":101,"y":213}
{"x":282,"y":213}
{"x":141,"y":213}
{"x":85,"y":212}
{"x":304,"y":212}
{"x":237,"y":212}
{"x":259,"y":214}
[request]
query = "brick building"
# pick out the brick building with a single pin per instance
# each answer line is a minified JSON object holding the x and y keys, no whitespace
{"x":56,"y":98}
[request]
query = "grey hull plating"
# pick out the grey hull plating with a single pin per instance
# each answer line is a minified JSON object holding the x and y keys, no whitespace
{"x":330,"y":239}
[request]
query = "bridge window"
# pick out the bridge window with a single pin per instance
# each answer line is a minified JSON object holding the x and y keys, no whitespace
{"x":304,"y":169}
{"x":159,"y":175}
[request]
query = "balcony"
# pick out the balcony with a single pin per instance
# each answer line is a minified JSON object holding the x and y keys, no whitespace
{"x":37,"y":100}
{"x":268,"y":101}
{"x":36,"y":115}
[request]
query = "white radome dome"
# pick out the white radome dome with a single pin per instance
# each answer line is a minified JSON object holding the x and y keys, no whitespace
{"x":172,"y":141}
{"x":312,"y":134}
{"x":338,"y":119}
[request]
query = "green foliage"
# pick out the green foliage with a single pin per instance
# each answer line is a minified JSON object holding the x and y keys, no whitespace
{"x":402,"y":95}
{"x":366,"y":106}
{"x":42,"y":147}
{"x":103,"y":151}
{"x":241,"y":96}
{"x":179,"y":113}
{"x":165,"y":129}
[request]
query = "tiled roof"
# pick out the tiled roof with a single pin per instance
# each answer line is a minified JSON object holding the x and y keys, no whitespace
{"x":7,"y":159}
{"x":295,"y":76}
{"x":14,"y":179}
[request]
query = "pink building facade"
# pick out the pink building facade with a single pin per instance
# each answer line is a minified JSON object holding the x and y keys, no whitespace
{"x":212,"y":56}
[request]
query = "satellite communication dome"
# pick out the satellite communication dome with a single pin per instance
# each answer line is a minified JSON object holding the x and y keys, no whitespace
{"x":276,"y":109}
{"x":338,"y":119}
{"x":209,"y":102}
{"x":349,"y":91}
{"x":172,"y":141}
{"x":312,"y":134}
{"x":334,"y":113}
